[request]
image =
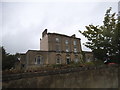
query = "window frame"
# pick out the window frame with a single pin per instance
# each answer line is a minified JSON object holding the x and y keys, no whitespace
{"x":67,"y":49}
{"x":57,"y":40}
{"x":68,"y":59}
{"x":66,"y":41}
{"x":58,"y":48}
{"x":58,"y":57}
{"x":74,"y":42}
{"x":38,"y":60}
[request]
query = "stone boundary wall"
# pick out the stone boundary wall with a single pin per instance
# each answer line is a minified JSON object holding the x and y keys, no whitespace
{"x":54,"y":72}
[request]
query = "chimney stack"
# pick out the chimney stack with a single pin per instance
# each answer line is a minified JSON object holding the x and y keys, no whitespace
{"x":44,"y":33}
{"x":73,"y":35}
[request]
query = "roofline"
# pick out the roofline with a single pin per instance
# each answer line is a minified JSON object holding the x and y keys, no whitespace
{"x":37,"y":51}
{"x":88,"y":51}
{"x":50,"y":51}
{"x":22,"y":53}
{"x":63,"y":35}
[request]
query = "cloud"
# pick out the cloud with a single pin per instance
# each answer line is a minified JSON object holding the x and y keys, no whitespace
{"x":23,"y":22}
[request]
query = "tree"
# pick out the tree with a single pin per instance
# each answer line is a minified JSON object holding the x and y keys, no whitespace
{"x":8,"y":60}
{"x":104,"y":40}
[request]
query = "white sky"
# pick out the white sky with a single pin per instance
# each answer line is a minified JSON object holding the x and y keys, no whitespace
{"x":22,"y":23}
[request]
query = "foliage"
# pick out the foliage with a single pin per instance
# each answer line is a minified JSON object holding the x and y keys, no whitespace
{"x":72,"y":64}
{"x":89,"y":64}
{"x":12,"y":71}
{"x":57,"y":65}
{"x":76,"y":64}
{"x":104,"y":40}
{"x":94,"y":63}
{"x":8,"y":60}
{"x":82,"y":58}
{"x":98,"y":62}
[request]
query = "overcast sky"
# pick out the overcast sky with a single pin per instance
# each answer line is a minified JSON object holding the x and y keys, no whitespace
{"x":22,"y":23}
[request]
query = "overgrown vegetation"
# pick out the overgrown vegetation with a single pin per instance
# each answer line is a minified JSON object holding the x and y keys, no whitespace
{"x":94,"y":63}
{"x":54,"y":67}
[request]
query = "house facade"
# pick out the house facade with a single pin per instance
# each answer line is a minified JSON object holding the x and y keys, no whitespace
{"x":88,"y":56}
{"x":54,"y":49}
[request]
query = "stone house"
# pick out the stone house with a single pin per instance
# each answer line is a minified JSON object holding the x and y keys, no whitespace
{"x":54,"y":49}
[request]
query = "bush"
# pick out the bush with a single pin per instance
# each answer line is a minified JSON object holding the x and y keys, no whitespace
{"x":98,"y":62}
{"x":76,"y":64}
{"x":89,"y":64}
{"x":57,"y":65}
{"x":14,"y":71}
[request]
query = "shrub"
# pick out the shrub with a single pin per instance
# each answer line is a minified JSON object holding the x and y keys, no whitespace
{"x":13,"y":71}
{"x":57,"y":65}
{"x":98,"y":62}
{"x":89,"y":64}
{"x":75,"y":64}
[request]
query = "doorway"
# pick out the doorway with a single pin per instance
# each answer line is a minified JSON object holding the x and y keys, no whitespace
{"x":68,"y":60}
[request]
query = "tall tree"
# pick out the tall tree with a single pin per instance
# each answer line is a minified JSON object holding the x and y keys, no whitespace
{"x":104,"y":40}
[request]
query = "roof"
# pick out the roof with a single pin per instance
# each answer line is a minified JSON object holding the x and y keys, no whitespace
{"x":37,"y":51}
{"x":63,"y":35}
{"x":22,"y":53}
{"x":88,"y":51}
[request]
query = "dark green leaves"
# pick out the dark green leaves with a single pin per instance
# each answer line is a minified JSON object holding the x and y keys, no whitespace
{"x":104,"y":40}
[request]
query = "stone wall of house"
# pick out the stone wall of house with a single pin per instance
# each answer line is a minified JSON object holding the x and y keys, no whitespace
{"x":49,"y":57}
{"x":48,"y":50}
{"x":31,"y":55}
{"x":44,"y":43}
{"x":62,"y":39}
{"x":84,"y":77}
